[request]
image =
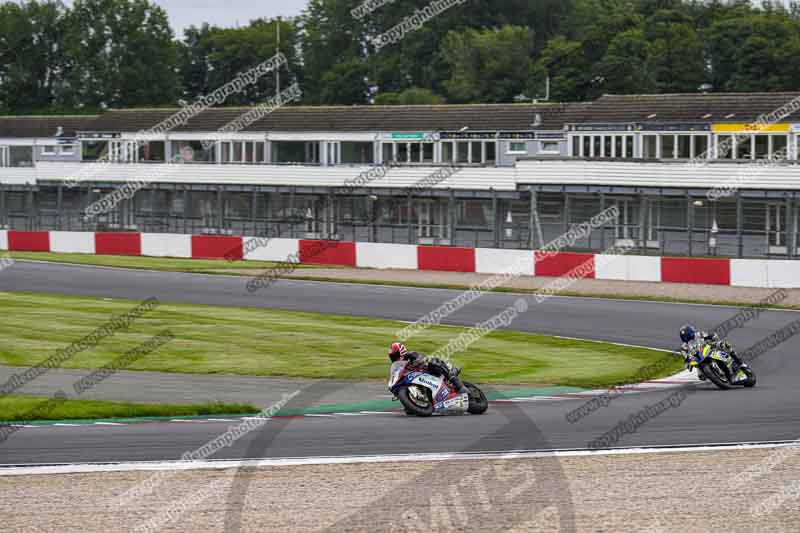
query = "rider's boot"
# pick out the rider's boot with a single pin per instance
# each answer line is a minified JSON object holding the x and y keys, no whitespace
{"x":457,"y":383}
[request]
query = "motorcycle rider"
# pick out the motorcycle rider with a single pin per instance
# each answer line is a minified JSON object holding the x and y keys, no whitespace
{"x":695,"y":341}
{"x":432,"y":365}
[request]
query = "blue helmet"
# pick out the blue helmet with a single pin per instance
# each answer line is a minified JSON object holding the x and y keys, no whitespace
{"x":688,"y":333}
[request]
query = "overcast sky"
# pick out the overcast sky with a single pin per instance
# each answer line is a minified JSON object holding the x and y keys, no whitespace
{"x":224,"y":13}
{"x":184,"y":13}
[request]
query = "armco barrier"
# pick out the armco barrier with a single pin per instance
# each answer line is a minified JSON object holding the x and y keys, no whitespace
{"x":166,"y":245}
{"x":118,"y":243}
{"x":379,"y":255}
{"x":28,"y":241}
{"x":446,"y":259}
{"x":72,"y":242}
{"x":562,"y":263}
{"x":216,"y":247}
{"x":328,"y":253}
{"x":689,"y":270}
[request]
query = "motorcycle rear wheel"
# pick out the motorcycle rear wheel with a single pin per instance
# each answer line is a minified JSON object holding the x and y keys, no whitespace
{"x":478,"y":404}
{"x":412,"y":404}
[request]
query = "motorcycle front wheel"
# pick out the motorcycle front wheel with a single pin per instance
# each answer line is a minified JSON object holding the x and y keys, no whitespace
{"x":478,"y":404}
{"x":416,"y":400}
{"x":716,"y":375}
{"x":751,"y":377}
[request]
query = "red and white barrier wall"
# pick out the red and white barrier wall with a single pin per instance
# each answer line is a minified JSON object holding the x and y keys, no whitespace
{"x":735,"y":272}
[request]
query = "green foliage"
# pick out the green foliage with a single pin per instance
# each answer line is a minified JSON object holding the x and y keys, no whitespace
{"x":121,"y":53}
{"x":92,"y":54}
{"x":492,"y":65}
{"x":413,"y":96}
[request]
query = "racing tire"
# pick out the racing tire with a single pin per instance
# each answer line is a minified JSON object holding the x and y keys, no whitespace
{"x":409,"y":404}
{"x":478,"y":404}
{"x":751,"y":378}
{"x":714,"y":377}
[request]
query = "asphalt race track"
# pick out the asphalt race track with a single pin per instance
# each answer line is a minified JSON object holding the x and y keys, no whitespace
{"x":769,"y":412}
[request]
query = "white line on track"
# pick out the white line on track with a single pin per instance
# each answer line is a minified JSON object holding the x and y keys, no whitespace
{"x":82,"y":468}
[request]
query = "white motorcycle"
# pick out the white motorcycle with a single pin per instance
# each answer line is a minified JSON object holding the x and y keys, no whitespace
{"x":423,"y":394}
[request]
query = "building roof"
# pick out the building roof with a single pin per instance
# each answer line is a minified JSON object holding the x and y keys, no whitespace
{"x":698,"y":107}
{"x":27,"y":127}
{"x":490,"y":117}
{"x":662,"y":108}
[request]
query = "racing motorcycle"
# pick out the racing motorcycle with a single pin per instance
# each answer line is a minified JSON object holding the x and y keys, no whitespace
{"x":423,"y":394}
{"x":716,"y":365}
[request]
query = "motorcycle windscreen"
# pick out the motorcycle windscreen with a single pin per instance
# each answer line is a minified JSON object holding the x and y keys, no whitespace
{"x":394,"y":372}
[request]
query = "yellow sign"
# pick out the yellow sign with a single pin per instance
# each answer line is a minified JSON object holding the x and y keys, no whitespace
{"x":753,"y":127}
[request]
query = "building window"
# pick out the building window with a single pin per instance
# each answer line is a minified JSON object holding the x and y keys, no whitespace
{"x":67,"y":149}
{"x":684,"y":146}
{"x":668,"y":147}
{"x":780,"y":147}
{"x":744,"y":147}
{"x":462,"y":155}
{"x":427,"y":152}
{"x":650,"y":147}
{"x":762,"y":146}
{"x":358,"y":153}
{"x":517,"y":148}
{"x":725,"y":147}
{"x":586,"y":146}
{"x":629,"y":152}
{"x":701,"y":146}
{"x":607,"y":145}
{"x":152,"y":151}
{"x":21,"y":156}
{"x":491,"y":152}
{"x":549,"y":148}
{"x":49,"y":149}
{"x":477,"y":152}
{"x":94,"y":150}
{"x":192,"y":152}
{"x":402,"y":153}
{"x":447,"y":152}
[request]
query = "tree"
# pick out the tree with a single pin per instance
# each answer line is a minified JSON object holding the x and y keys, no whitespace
{"x":624,"y":68}
{"x":569,"y":70}
{"x":195,"y":62}
{"x":32,"y":60}
{"x":123,"y":55}
{"x":413,"y":96}
{"x":333,"y":49}
{"x":492,"y":65}
{"x":676,"y":54}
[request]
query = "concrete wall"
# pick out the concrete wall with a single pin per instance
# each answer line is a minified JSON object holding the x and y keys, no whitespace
{"x":735,"y":272}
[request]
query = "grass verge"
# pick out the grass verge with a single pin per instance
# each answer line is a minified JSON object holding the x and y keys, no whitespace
{"x":259,"y":342}
{"x":18,"y":408}
{"x":163,"y":264}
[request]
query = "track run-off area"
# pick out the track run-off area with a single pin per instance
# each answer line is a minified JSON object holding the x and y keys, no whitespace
{"x":770,"y":412}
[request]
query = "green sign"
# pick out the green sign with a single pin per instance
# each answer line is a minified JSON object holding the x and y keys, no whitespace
{"x":418,"y":136}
